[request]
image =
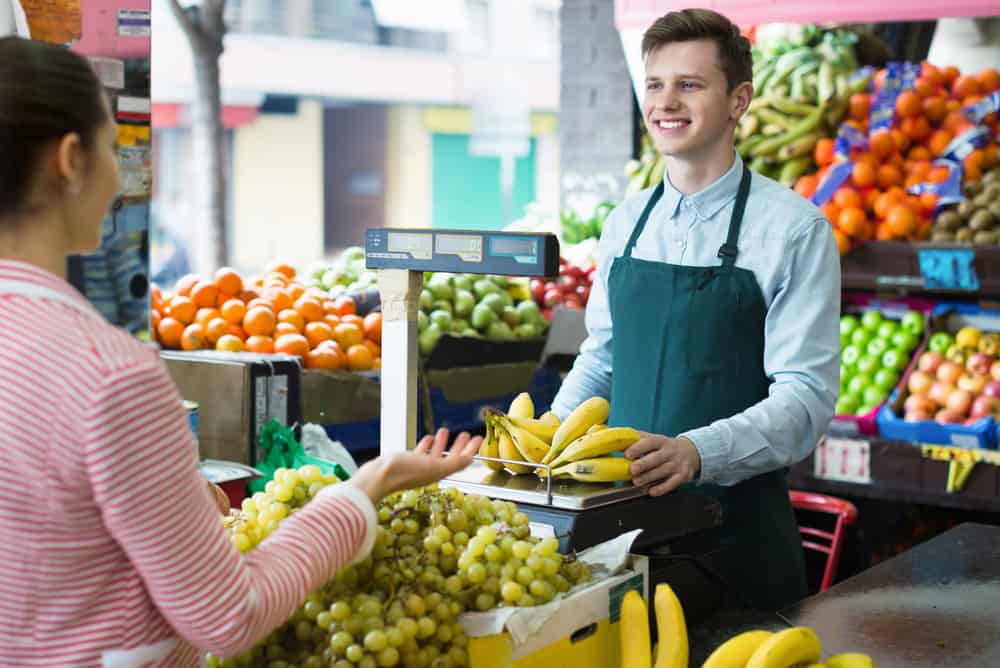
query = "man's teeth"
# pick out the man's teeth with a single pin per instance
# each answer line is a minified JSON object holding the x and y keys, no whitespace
{"x":670,"y":125}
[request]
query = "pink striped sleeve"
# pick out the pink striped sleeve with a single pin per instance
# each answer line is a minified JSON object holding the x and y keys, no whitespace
{"x":141,"y":462}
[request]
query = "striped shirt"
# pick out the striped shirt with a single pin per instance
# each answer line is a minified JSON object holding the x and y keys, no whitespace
{"x":112,"y":552}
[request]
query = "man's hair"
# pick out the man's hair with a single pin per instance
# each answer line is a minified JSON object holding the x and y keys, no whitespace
{"x":694,"y":24}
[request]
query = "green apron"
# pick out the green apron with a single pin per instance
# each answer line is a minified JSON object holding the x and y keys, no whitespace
{"x":689,"y":350}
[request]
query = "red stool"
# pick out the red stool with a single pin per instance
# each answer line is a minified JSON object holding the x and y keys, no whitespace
{"x":846,"y":514}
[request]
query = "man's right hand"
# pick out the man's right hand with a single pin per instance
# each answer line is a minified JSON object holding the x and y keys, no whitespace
{"x":426,"y":464}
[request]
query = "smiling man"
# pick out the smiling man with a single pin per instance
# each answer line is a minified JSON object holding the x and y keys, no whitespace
{"x":713,"y":322}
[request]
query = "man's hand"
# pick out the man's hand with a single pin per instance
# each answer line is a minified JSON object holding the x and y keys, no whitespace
{"x":667,"y":462}
{"x":422,"y":466}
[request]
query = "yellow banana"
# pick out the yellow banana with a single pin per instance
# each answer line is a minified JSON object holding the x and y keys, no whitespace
{"x":633,"y":629}
{"x":531,"y":447}
{"x":597,"y":444}
{"x":671,"y":628}
{"x":590,"y":412}
{"x":850,"y":660}
{"x":522,"y":406}
{"x":735,"y":652}
{"x":596,"y":428}
{"x":544,"y":430}
{"x":601,"y":469}
{"x":817,"y":665}
{"x":548,"y":417}
{"x":509,"y":451}
{"x":490,"y":448}
{"x":798,"y":645}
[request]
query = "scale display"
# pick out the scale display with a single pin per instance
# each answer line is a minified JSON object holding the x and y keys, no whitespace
{"x":462,"y":251}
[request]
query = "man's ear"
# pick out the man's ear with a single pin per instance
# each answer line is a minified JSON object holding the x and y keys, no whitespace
{"x":739,"y":100}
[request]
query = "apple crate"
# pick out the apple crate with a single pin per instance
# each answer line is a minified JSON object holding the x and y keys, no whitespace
{"x":865,"y":424}
{"x":962,"y":385}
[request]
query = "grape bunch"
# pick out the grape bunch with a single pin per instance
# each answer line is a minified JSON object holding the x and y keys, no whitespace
{"x":437,"y":553}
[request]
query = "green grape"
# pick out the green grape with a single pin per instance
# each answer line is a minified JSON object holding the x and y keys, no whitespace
{"x":370,"y":608}
{"x":525,"y":575}
{"x":340,"y":611}
{"x":457,"y":521}
{"x":373,"y":624}
{"x":375,"y":641}
{"x":521,"y":549}
{"x":426,"y":627}
{"x":394,"y":637}
{"x":283,"y":492}
{"x":314,"y":488}
{"x":432,"y":544}
{"x":550,"y":565}
{"x":511,"y":592}
{"x":388,"y":657}
{"x":485,"y":602}
{"x":354,"y":625}
{"x":453,"y":584}
{"x":476,"y":573}
{"x":493,"y":554}
{"x":340,"y":641}
{"x":535,"y":563}
{"x":367,"y":661}
{"x":416,"y":605}
{"x":312,"y":609}
{"x":354,"y":653}
{"x":460,"y":538}
{"x":408,"y":627}
{"x":476,"y":547}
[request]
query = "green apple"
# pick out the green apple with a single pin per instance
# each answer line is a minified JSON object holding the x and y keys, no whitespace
{"x":442,"y":305}
{"x":886,"y":379}
{"x":861,"y":337}
{"x":529,"y":311}
{"x":848,"y":324}
{"x":465,"y":301}
{"x":873,"y":396}
{"x":860,"y":383}
{"x":887,"y":329}
{"x":913,"y":322}
{"x":940,"y":342}
{"x":422,"y":321}
{"x":426,"y":300}
{"x":845,"y":375}
{"x":428,"y":339}
{"x":494,"y":301}
{"x":894,"y":359}
{"x":441,"y":289}
{"x":904,"y":340}
{"x":850,"y":356}
{"x":483,"y":316}
{"x":868,"y":364}
{"x":871,"y":320}
{"x":442,"y":319}
{"x":876,"y":347}
{"x":865,"y":409}
{"x":458,"y":326}
{"x":463,"y":282}
{"x":845,"y":340}
{"x":846,"y":405}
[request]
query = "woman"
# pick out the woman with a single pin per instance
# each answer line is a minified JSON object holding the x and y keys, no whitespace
{"x":112,"y":552}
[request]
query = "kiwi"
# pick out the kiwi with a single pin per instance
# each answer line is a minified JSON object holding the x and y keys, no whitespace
{"x":983,"y":200}
{"x":964,"y":235}
{"x":982,"y":220}
{"x":972,"y":188}
{"x":948,"y":221}
{"x":994,"y":208}
{"x":942,"y":236}
{"x":992,"y":176}
{"x":985,"y":237}
{"x":966,"y":208}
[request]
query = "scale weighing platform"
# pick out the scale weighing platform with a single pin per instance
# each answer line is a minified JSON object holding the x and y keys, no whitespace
{"x":580,"y":514}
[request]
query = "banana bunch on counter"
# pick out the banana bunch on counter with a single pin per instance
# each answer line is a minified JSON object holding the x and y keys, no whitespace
{"x":577,"y":448}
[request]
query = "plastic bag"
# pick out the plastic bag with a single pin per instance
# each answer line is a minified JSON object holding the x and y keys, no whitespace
{"x":317,"y":443}
{"x":282,"y":450}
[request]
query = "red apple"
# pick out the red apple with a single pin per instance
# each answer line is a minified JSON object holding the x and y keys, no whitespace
{"x":552,"y":297}
{"x":583,"y":292}
{"x":972,"y":382}
{"x":567,"y":284}
{"x":929,"y":362}
{"x":547,"y":314}
{"x":992,"y":389}
{"x":940,"y":392}
{"x":971,"y":421}
{"x":572,"y":301}
{"x":949,"y":372}
{"x":979,"y":363}
{"x":538,"y":289}
{"x":995,"y":370}
{"x":985,"y":407}
{"x":959,"y":401}
{"x":920,"y":382}
{"x":916,"y":403}
{"x":947,"y":416}
{"x":919,"y":416}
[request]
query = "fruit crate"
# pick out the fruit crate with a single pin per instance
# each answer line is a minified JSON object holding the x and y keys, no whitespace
{"x":881,"y":265}
{"x":854,"y":304}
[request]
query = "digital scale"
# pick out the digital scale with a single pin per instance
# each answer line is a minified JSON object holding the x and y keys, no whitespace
{"x":580,"y":514}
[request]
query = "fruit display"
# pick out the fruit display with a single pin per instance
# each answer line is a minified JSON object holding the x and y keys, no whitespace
{"x":788,"y":648}
{"x":976,"y":219}
{"x":874,"y":352}
{"x":570,"y":289}
{"x":346,"y":274}
{"x":905,"y":149}
{"x":476,"y":306}
{"x":575,"y":228}
{"x":957,"y":380}
{"x":437,"y":554}
{"x":273,"y":313}
{"x":580,"y":448}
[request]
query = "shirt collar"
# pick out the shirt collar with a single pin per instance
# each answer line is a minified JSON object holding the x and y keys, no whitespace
{"x":709,"y":201}
{"x":15,"y":270}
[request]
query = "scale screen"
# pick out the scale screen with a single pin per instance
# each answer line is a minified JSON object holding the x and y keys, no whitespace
{"x":458,"y":243}
{"x":403,"y":242}
{"x":513,"y":246}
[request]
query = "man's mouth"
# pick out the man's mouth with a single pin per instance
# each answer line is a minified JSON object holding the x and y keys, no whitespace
{"x":673,"y":124}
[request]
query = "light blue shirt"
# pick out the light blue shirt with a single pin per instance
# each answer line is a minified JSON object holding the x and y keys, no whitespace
{"x":789,"y":246}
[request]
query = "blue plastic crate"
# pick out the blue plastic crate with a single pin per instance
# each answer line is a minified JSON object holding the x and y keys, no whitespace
{"x":982,"y":434}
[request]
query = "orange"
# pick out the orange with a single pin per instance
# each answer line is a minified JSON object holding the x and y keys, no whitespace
{"x":988,"y":80}
{"x":204,"y":293}
{"x":949,"y":74}
{"x":923,"y":87}
{"x":376,"y":349}
{"x":205,"y":316}
{"x":332,"y":345}
{"x":935,"y":108}
{"x":278,"y":297}
{"x":805,"y":186}
{"x":216,"y":329}
{"x":170,"y":332}
{"x":902,"y":221}
{"x":222,"y":298}
{"x":859,"y":106}
{"x":344,"y":305}
{"x":259,"y":344}
{"x":259,"y":321}
{"x":881,"y":143}
{"x":233,"y":310}
{"x":318,"y":332}
{"x":310,"y":308}
{"x":965,"y":86}
{"x":229,"y":343}
{"x":883,"y":233}
{"x":287,"y":270}
{"x":843,"y":242}
{"x":193,"y":337}
{"x":863,"y":175}
{"x":359,"y":358}
{"x":870,"y":196}
{"x":319,"y":293}
{"x":155,"y":297}
{"x":916,"y":128}
{"x":292,"y":344}
{"x":285,"y":328}
{"x":331,"y":319}
{"x":908,"y":104}
{"x":930,"y":73}
{"x":823,"y":152}
{"x":294,"y":318}
{"x":955,"y":121}
{"x":324,"y":358}
{"x":238,"y":332}
{"x":354,"y":319}
{"x":184,"y":285}
{"x":248,"y":294}
{"x":259,"y":301}
{"x":991,"y":153}
{"x":831,"y":211}
{"x":229,"y":281}
{"x":889,"y":175}
{"x":920,"y":168}
{"x":866,"y":158}
{"x":373,"y":327}
{"x":902,"y":141}
{"x":378,"y":363}
{"x":928,"y":202}
{"x":851,"y":221}
{"x":182,"y":309}
{"x":295,"y":290}
{"x":847,"y":197}
{"x":348,"y":334}
{"x":154,"y":322}
{"x":939,"y":141}
{"x":884,"y":203}
{"x":919,"y":153}
{"x":938,"y":174}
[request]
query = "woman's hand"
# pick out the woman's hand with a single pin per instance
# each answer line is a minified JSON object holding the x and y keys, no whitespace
{"x":421,"y":466}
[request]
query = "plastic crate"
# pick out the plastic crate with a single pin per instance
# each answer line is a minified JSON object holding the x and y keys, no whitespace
{"x":982,"y":434}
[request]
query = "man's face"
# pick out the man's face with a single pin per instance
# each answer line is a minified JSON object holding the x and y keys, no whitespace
{"x":687,"y":109}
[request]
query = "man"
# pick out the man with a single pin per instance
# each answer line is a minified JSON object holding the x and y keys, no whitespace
{"x":713,"y":323}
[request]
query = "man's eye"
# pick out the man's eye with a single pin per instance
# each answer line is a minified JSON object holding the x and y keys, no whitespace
{"x":652,"y":86}
{"x":688,"y":84}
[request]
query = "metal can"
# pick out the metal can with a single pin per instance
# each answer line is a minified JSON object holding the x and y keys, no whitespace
{"x":192,"y":411}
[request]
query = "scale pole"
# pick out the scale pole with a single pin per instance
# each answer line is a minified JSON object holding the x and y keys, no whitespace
{"x":400,"y":294}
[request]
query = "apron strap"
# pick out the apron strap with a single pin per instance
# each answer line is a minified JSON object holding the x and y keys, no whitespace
{"x":637,"y":230}
{"x":728,"y":250}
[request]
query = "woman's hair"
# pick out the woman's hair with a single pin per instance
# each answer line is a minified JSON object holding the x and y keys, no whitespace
{"x":46,"y":92}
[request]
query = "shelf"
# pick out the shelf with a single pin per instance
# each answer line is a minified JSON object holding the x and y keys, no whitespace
{"x":895,"y":265}
{"x":889,"y":492}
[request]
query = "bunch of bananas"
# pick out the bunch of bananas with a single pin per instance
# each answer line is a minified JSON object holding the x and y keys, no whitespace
{"x":647,"y":171}
{"x":797,"y":646}
{"x":576,"y":448}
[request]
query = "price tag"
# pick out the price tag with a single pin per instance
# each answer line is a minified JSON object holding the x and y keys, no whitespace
{"x":948,"y":269}
{"x":843,"y":459}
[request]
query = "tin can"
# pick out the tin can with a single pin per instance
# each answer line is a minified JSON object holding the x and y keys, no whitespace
{"x":192,"y":411}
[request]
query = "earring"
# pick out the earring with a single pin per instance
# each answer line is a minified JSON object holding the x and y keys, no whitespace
{"x":73,"y":187}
